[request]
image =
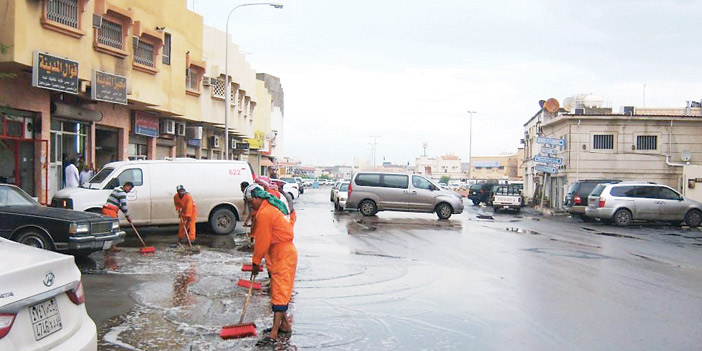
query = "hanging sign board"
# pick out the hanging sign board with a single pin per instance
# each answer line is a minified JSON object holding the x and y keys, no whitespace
{"x":54,"y":73}
{"x":109,"y":87}
{"x":546,"y":169}
{"x":146,"y":124}
{"x":549,"y":160}
{"x":548,"y":150}
{"x":550,"y":141}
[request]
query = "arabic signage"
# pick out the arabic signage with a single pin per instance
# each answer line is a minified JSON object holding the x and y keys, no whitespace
{"x":549,"y":160}
{"x":257,"y":141}
{"x":486,"y":164}
{"x":550,"y":141}
{"x":242,"y":146}
{"x":548,"y":150}
{"x":546,"y":169}
{"x":54,"y":73}
{"x":194,"y":142}
{"x":146,"y":124}
{"x":109,"y":87}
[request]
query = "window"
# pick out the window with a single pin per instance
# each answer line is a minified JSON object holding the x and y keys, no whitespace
{"x":144,"y":53}
{"x":218,"y":89}
{"x":166,"y":48}
{"x":138,"y":151}
{"x":647,"y":192}
{"x":64,"y":12}
{"x":368,"y":180}
{"x":395,"y":181}
{"x":421,"y":183}
{"x":191,"y":79}
{"x":646,"y":142}
{"x":667,"y":194}
{"x":603,"y":142}
{"x":133,"y":175}
{"x":111,"y":34}
{"x":623,"y":191}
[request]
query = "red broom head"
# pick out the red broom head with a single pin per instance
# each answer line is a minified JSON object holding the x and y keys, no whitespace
{"x":245,"y":283}
{"x":238,"y":331}
{"x":147,"y":249}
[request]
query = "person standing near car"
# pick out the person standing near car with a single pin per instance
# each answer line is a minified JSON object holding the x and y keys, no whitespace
{"x":274,"y":239}
{"x":187,"y":211}
{"x":117,"y":201}
{"x":72,"y":175}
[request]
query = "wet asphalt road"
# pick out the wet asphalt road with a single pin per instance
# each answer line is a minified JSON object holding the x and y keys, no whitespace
{"x":403,"y":281}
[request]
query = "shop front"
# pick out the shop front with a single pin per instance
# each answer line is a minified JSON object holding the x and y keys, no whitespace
{"x":18,"y":148}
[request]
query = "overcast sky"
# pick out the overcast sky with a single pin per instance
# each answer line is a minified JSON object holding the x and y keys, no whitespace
{"x":409,"y":70}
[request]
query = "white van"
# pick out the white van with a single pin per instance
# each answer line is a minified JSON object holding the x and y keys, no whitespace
{"x":215,"y":187}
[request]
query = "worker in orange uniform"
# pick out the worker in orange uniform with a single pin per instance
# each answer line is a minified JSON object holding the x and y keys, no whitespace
{"x":187,"y":211}
{"x":274,"y":239}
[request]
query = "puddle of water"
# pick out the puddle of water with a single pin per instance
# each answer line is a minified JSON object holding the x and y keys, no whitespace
{"x":589,"y":229}
{"x":617,"y":235}
{"x":522,"y":231}
{"x":480,"y":216}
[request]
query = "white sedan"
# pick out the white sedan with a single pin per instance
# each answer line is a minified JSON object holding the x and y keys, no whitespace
{"x":42,"y":303}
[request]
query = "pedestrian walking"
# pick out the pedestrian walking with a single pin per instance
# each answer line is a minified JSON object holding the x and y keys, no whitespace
{"x":85,"y":174}
{"x":72,"y":175}
{"x":274,"y":239}
{"x":187,"y":211}
{"x":117,"y":201}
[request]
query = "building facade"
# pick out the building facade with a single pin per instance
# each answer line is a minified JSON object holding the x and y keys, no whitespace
{"x":503,"y":167}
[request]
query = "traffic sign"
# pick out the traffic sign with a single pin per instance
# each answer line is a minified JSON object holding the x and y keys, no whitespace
{"x":550,"y":141}
{"x":548,"y":150}
{"x":546,"y":169}
{"x":549,"y":160}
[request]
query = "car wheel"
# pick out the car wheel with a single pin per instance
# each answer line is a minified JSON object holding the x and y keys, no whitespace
{"x":336,"y":206}
{"x":223,"y":221}
{"x":622,"y":217}
{"x":476,"y":202}
{"x":368,"y":208}
{"x":35,"y":238}
{"x":693,"y":218}
{"x":444,"y":211}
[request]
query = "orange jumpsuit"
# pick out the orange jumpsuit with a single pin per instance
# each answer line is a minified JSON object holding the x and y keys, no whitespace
{"x":187,"y":209}
{"x":274,"y":236}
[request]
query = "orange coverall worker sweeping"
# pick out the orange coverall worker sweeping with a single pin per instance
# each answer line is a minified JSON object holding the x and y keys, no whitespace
{"x":274,"y":239}
{"x":187,"y":211}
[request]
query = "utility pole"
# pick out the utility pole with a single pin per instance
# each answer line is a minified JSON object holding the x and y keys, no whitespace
{"x":375,"y":143}
{"x":470,"y":146}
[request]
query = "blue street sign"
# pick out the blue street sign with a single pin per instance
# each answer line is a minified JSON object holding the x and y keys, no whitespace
{"x":546,"y":169}
{"x":549,"y":160}
{"x":550,"y":141}
{"x":548,"y":150}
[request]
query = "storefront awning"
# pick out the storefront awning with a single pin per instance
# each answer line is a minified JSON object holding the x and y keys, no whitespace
{"x":266,"y":162}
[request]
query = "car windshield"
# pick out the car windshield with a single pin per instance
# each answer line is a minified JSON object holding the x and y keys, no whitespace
{"x":598,"y":190}
{"x":99,"y":177}
{"x":11,"y":196}
{"x":344,"y":187}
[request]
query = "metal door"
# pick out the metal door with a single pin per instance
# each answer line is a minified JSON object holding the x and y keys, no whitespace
{"x":393,"y":192}
{"x":421,"y":195}
{"x":671,"y":206}
{"x":647,"y":205}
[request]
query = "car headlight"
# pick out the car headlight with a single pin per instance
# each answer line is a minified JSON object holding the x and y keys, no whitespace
{"x":115,"y":225}
{"x":76,"y":228}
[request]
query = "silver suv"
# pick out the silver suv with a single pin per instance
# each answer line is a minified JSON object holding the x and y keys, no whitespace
{"x":623,"y":203}
{"x":371,"y":192}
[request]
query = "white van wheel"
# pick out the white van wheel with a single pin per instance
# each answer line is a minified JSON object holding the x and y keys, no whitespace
{"x":222,"y":221}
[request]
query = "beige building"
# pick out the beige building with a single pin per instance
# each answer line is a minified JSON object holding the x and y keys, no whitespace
{"x":639,"y":144}
{"x":437,"y":167}
{"x":495,"y":167}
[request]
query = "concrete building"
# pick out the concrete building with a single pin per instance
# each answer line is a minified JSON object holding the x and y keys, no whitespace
{"x":504,"y":167}
{"x":636,"y":144}
{"x":437,"y":167}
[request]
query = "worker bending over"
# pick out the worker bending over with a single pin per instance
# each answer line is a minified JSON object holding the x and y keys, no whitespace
{"x":117,"y":201}
{"x":274,"y":239}
{"x":187,"y":211}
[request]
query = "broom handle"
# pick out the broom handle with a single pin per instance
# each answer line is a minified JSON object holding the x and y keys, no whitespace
{"x":248,"y":295}
{"x":137,"y":233}
{"x":187,"y":234}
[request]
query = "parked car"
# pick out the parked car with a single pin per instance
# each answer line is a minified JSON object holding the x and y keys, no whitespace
{"x":301,"y":184}
{"x":371,"y":192}
{"x":214,"y":185}
{"x":341,"y":195}
{"x":333,"y":188}
{"x":480,"y":193}
{"x":42,"y":301}
{"x":25,"y":221}
{"x":308,"y":182}
{"x":291,"y":180}
{"x":290,"y":188}
{"x":625,"y":202}
{"x":507,"y":197}
{"x":576,"y":200}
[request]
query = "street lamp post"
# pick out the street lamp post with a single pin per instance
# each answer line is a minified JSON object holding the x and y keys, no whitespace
{"x":227,"y":83}
{"x":470,"y":146}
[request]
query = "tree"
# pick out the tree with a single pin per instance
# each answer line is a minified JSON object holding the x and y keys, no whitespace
{"x":445,"y":179}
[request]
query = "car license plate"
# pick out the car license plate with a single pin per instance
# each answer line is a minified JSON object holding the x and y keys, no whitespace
{"x":45,"y":318}
{"x":107,"y":244}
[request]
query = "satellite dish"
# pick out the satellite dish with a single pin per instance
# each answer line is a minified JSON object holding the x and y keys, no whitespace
{"x":551,"y":105}
{"x":685,"y":156}
{"x":425,"y":145}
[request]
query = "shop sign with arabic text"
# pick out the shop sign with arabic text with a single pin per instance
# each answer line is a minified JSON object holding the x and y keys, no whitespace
{"x":54,"y":73}
{"x":109,"y":87}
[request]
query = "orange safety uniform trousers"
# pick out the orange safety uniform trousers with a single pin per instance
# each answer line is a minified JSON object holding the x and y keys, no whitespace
{"x":187,"y":209}
{"x":191,"y":227}
{"x":282,"y":266}
{"x":110,"y":211}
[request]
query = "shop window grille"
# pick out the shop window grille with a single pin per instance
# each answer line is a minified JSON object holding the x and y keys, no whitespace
{"x":646,"y":142}
{"x":144,"y":53}
{"x":110,"y":34}
{"x":603,"y":142}
{"x":166,"y":48}
{"x":218,"y":88}
{"x":63,"y":11}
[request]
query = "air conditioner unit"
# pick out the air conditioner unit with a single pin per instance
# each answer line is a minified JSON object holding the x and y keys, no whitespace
{"x":193,"y":132}
{"x":168,"y":126}
{"x":629,"y":110}
{"x":97,"y":21}
{"x":28,"y":128}
{"x":205,"y":81}
{"x":213,"y":81}
{"x":180,"y":129}
{"x":232,"y":143}
{"x":214,"y":141}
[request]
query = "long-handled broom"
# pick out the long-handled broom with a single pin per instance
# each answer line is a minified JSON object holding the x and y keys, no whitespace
{"x":242,"y":329}
{"x":191,"y":249}
{"x":144,"y":249}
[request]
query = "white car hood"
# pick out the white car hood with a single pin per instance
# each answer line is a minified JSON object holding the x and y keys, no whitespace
{"x":27,"y":271}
